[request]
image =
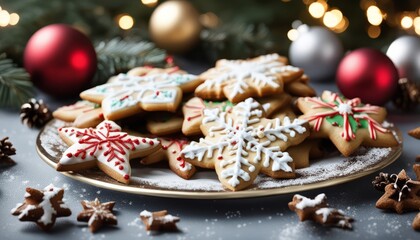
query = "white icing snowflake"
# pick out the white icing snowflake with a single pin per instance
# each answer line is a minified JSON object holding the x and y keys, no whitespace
{"x":127,"y":92}
{"x":234,"y":77}
{"x":245,"y":143}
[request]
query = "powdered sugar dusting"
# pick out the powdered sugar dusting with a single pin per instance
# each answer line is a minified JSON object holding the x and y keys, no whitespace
{"x":51,"y":141}
{"x":160,"y":178}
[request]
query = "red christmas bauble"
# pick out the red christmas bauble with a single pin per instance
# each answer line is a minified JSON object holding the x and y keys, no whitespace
{"x":60,"y":59}
{"x":368,"y":74}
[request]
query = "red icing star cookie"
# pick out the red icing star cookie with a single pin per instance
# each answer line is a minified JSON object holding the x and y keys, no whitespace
{"x":106,"y":147}
{"x":347,"y":122}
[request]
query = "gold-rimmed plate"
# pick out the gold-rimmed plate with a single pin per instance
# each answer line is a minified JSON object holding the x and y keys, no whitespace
{"x":160,"y":181}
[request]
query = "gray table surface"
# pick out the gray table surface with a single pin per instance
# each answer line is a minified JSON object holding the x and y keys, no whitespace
{"x":265,"y":218}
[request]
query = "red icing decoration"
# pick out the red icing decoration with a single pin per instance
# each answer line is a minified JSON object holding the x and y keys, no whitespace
{"x":357,"y":112}
{"x":180,"y":143}
{"x":123,"y":98}
{"x":126,"y":177}
{"x":198,"y":110}
{"x":117,"y":144}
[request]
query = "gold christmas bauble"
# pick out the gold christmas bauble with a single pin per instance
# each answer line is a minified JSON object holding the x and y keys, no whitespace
{"x":175,"y":26}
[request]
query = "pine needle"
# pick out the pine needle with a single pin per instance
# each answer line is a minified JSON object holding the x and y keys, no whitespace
{"x":119,"y":55}
{"x":15,"y":85}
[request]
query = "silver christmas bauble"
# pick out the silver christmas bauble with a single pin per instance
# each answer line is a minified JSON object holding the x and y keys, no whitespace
{"x":405,"y":53}
{"x":318,"y":51}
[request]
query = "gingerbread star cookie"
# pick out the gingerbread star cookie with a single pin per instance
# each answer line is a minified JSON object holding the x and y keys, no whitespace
{"x":42,"y":206}
{"x":97,"y":214}
{"x":105,"y":146}
{"x":318,"y":211}
{"x":127,"y":95}
{"x":171,"y":151}
{"x":241,"y":143}
{"x":402,"y":195}
{"x":159,"y":221}
{"x":236,"y":80}
{"x":347,"y":122}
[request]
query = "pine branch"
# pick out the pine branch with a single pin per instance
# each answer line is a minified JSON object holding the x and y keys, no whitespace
{"x":237,"y":40}
{"x":15,"y":85}
{"x":119,"y":55}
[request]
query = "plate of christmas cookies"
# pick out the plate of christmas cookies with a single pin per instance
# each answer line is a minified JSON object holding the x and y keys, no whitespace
{"x":245,"y":128}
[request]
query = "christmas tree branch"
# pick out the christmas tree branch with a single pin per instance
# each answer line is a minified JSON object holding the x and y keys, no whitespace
{"x":119,"y":55}
{"x":15,"y":85}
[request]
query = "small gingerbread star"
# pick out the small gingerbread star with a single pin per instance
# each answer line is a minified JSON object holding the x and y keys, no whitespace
{"x":159,"y":221}
{"x":97,"y":214}
{"x":42,"y":206}
{"x":402,"y":195}
{"x":318,"y":211}
{"x":305,"y":207}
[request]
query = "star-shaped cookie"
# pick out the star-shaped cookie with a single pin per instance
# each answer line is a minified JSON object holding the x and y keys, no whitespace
{"x":127,"y":95}
{"x":105,"y":146}
{"x":347,"y":122}
{"x":241,"y":143}
{"x":42,"y":206}
{"x":159,"y":221}
{"x":97,"y":214}
{"x":236,"y":80}
{"x":171,"y":151}
{"x":401,"y":196}
{"x":318,"y":211}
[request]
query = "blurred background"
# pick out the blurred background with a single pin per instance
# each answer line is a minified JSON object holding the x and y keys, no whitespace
{"x":129,"y":33}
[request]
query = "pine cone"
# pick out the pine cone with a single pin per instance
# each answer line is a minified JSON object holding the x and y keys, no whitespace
{"x":6,"y":149}
{"x":408,"y":94}
{"x":35,"y":113}
{"x":383,"y":179}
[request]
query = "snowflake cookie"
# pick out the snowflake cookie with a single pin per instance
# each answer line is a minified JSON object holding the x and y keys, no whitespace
{"x":237,"y":80}
{"x":106,"y":147}
{"x":171,"y":151}
{"x":126,"y":94}
{"x":347,"y":122}
{"x":193,"y":110}
{"x":240,"y":143}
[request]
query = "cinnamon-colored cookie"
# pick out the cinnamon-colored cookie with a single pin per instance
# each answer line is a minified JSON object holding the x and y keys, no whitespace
{"x":401,"y":196}
{"x":318,"y":211}
{"x":159,"y":221}
{"x":97,"y":214}
{"x":42,"y":206}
